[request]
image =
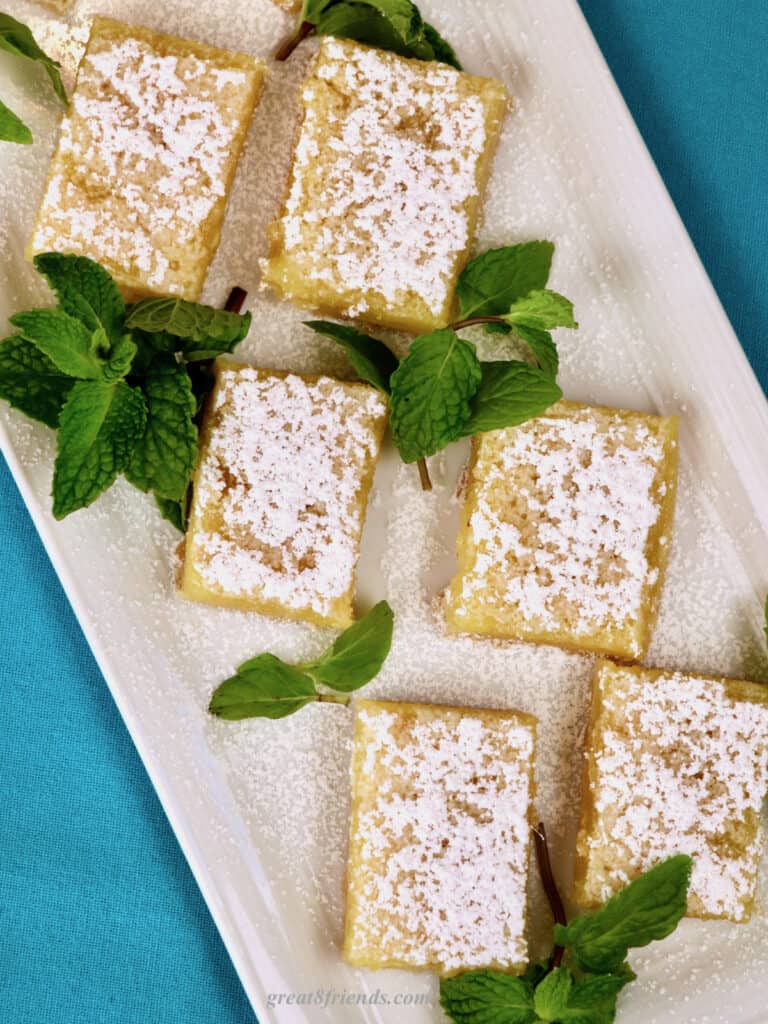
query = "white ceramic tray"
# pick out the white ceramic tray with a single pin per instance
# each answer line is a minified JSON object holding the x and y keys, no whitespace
{"x":260,"y":808}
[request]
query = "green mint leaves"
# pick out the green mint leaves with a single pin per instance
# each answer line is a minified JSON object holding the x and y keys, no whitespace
{"x":371,"y":360}
{"x":31,"y":382}
{"x":116,"y":383}
{"x":584,"y":989}
{"x":487,"y":997}
{"x":431,"y":393}
{"x":441,"y":391}
{"x":649,"y":908}
{"x":12,"y":128}
{"x":493,"y":281}
{"x":394,"y":25}
{"x":356,"y":657}
{"x":164,"y":457}
{"x":509,"y":394}
{"x":99,"y":426}
{"x":266,"y":687}
{"x":263,"y":687}
{"x":17,"y":39}
{"x":205,"y":332}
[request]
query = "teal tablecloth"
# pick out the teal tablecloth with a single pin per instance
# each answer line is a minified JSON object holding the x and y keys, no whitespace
{"x":100,"y":919}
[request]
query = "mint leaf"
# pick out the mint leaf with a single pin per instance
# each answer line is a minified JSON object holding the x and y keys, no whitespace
{"x":431,"y":392}
{"x":85,"y":291}
{"x":648,"y":908}
{"x":150,"y":346}
{"x":174,"y":511}
{"x":164,"y":458}
{"x":207,"y":332}
{"x":551,"y":995}
{"x":487,"y":997}
{"x":371,"y":360}
{"x":593,"y":999}
{"x":541,"y":310}
{"x":543,"y":348}
{"x":31,"y":382}
{"x":356,"y":656}
{"x":441,"y":49}
{"x":510,"y":393}
{"x":394,"y":25}
{"x":264,"y":687}
{"x":120,"y":358}
{"x":67,"y":342}
{"x":16,"y":38}
{"x":12,"y":128}
{"x":98,"y":428}
{"x":491,"y":282}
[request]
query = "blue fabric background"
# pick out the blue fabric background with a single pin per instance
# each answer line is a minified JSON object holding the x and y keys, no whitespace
{"x":100,"y":919}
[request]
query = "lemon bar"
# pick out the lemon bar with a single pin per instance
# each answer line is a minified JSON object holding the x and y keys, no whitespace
{"x":146,"y":157}
{"x":675,"y":763}
{"x":440,"y":838}
{"x":281,"y":492}
{"x":566,"y":529}
{"x":390,"y":166}
{"x":56,"y":5}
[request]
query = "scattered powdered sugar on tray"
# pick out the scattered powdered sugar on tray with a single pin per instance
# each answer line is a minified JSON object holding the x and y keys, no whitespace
{"x":269,"y":800}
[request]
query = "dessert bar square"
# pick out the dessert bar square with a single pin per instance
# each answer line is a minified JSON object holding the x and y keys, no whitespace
{"x":281,"y":492}
{"x":565,"y":530}
{"x":386,"y":185}
{"x":440,"y":837}
{"x":146,"y":157}
{"x":56,"y":5}
{"x":675,"y":763}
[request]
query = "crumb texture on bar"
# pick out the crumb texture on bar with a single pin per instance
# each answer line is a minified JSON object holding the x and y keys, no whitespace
{"x":675,"y":764}
{"x":146,"y":157}
{"x":440,"y":837}
{"x":385,"y":189}
{"x":566,"y":529}
{"x":281,"y":492}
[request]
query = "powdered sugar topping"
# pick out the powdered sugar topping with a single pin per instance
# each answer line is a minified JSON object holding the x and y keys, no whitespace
{"x":144,"y":158}
{"x":279,"y":486}
{"x":445,"y":837}
{"x":681,"y":765}
{"x":570,"y":542}
{"x":378,"y":200}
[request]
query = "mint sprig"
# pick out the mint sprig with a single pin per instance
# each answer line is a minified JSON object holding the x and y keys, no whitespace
{"x":124,"y":397}
{"x":441,"y":391}
{"x":581,"y":982}
{"x":17,"y":38}
{"x":394,"y":25}
{"x":649,"y":909}
{"x":266,"y":687}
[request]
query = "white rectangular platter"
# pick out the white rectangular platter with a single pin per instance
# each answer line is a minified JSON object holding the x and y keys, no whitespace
{"x":260,"y":807}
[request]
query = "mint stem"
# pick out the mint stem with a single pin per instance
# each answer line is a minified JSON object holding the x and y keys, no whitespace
{"x":334,"y":698}
{"x":237,"y":297}
{"x":473,"y":320}
{"x":550,"y":888}
{"x":426,"y":483}
{"x":286,"y":48}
